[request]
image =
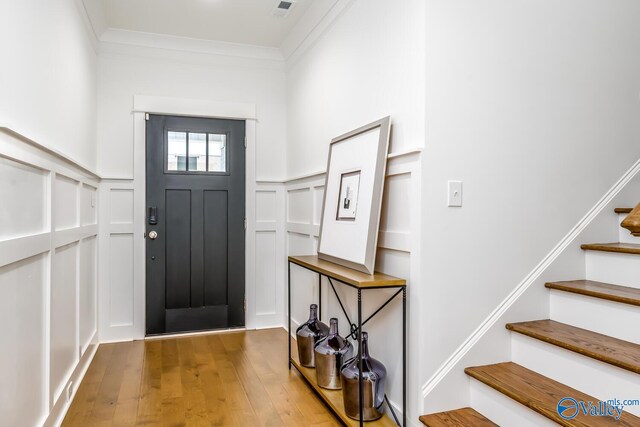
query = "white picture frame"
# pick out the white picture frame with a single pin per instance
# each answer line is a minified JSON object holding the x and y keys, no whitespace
{"x":354,"y":186}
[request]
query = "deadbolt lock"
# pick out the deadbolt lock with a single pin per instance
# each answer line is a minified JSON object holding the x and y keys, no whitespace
{"x":153,"y":234}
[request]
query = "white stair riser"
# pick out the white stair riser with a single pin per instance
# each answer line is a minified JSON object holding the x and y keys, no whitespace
{"x":625,"y":235}
{"x":503,"y":410}
{"x":615,"y":268}
{"x":590,"y":376}
{"x":605,"y":317}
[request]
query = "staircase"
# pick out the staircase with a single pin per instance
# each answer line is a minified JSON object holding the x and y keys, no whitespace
{"x":589,"y":347}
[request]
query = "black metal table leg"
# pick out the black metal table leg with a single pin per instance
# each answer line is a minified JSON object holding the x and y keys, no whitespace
{"x":404,"y":356}
{"x":319,"y":296}
{"x":360,"y":385}
{"x":289,"y":308}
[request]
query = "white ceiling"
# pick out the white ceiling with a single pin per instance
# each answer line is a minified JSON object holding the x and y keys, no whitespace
{"x":235,"y":21}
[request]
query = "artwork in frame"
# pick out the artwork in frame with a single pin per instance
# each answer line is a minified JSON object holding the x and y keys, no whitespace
{"x":348,"y":202}
{"x":353,"y":196}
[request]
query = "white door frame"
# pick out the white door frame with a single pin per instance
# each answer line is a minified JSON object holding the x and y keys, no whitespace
{"x":143,"y":105}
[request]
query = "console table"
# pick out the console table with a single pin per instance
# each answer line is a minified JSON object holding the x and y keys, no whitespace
{"x":361,"y":282}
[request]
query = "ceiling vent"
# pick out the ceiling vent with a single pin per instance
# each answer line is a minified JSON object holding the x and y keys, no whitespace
{"x":283,"y":8}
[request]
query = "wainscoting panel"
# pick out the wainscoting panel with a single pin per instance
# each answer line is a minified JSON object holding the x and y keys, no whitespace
{"x":48,"y":251}
{"x":26,"y":187}
{"x":266,"y":290}
{"x":121,"y":206}
{"x":64,"y":343}
{"x":23,"y":361}
{"x":121,"y":279}
{"x":87,"y":292}
{"x":299,"y":205}
{"x":88,"y":200}
{"x":265,"y":252}
{"x":65,"y":203}
{"x":121,"y":265}
{"x":266,"y":206}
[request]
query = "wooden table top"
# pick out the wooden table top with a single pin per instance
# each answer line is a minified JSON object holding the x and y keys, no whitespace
{"x":347,"y":275}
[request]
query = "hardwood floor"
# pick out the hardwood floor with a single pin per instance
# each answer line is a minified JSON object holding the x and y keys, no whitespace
{"x":226,"y":379}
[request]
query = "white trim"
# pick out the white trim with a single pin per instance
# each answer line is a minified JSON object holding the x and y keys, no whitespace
{"x":530,"y":279}
{"x":404,"y":153}
{"x":312,"y":25}
{"x":188,"y":44}
{"x":184,"y":107}
{"x":31,"y":140}
{"x":20,"y":248}
{"x":193,"y":107}
{"x":301,"y":39}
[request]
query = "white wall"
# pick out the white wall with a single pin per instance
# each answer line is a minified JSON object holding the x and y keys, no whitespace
{"x":367,"y":65}
{"x":127,"y":71}
{"x":535,"y":106}
{"x":48,"y":77}
{"x":48,"y":282}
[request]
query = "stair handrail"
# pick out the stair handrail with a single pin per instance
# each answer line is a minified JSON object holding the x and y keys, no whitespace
{"x":632,"y":221}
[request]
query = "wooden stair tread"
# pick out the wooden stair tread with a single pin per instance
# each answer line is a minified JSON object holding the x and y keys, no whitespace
{"x":623,"y":354}
{"x":542,"y":394}
{"x":625,"y":248}
{"x":601,"y":290}
{"x":463,"y":417}
{"x":623,"y":210}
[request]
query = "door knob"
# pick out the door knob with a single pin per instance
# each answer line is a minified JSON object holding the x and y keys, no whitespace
{"x":153,"y":234}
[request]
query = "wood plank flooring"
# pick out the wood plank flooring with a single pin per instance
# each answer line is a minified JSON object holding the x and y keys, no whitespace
{"x":226,"y":379}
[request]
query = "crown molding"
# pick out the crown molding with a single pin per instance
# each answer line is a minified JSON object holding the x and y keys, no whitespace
{"x":312,"y":26}
{"x":94,"y":11}
{"x":306,"y":32}
{"x":191,"y":45}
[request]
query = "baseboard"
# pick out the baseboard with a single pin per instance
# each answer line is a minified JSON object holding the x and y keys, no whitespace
{"x":530,"y":279}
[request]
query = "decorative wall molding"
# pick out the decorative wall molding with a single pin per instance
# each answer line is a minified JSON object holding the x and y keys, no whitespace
{"x":321,"y":17}
{"x":316,"y":21}
{"x":48,"y":274}
{"x":526,"y":283}
{"x":74,"y":167}
{"x":186,"y":44}
{"x":194,"y":107}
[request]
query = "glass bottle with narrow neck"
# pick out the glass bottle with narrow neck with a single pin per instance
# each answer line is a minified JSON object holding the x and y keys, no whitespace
{"x":374,"y":375}
{"x":307,"y":335}
{"x":330,"y":354}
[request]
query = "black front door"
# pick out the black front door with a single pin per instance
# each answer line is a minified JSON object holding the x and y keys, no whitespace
{"x":195,"y":223}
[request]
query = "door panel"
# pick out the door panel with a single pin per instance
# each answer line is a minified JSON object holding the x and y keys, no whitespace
{"x":195,"y":265}
{"x":178,"y":248}
{"x":215,"y":247}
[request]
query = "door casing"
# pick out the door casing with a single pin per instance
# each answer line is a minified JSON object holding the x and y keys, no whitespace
{"x":143,"y":105}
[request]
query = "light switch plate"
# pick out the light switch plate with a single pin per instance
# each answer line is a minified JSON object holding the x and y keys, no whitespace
{"x":454,"y":193}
